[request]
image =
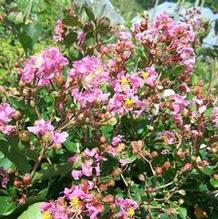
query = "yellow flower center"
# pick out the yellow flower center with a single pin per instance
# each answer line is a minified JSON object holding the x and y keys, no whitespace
{"x":145,"y":74}
{"x":75,"y":202}
{"x":46,"y":215}
{"x":131,"y":212}
{"x":165,"y":138}
{"x":100,"y":70}
{"x":124,"y":81}
{"x":129,"y":102}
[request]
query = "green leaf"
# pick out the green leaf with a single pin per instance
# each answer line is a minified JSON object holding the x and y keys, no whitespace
{"x":34,"y":31}
{"x":70,"y":39}
{"x":26,"y":109}
{"x":107,"y":131}
{"x":72,"y":21}
{"x":73,"y":147}
{"x":214,"y":183}
{"x":6,"y":205}
{"x":10,"y":148}
{"x":207,"y":170}
{"x":32,"y":212}
{"x":89,"y":12}
{"x":25,"y":41}
{"x":51,"y":171}
{"x":182,"y":212}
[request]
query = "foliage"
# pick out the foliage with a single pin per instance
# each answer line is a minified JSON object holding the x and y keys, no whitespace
{"x":99,"y":120}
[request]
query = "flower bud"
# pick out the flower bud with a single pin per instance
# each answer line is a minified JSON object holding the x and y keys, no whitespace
{"x":166,"y":165}
{"x":24,"y":135}
{"x":159,"y":170}
{"x":108,"y":199}
{"x":187,"y":167}
{"x":154,"y":154}
{"x":117,"y":172}
{"x":103,"y":139}
{"x":27,"y":179}
{"x":17,"y":183}
{"x":17,"y":115}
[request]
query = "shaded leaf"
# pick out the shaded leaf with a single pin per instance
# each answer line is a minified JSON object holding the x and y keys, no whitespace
{"x":10,"y":149}
{"x":51,"y":171}
{"x":32,"y":212}
{"x":6,"y":205}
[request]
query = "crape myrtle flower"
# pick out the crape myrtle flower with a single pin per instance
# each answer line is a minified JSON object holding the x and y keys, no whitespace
{"x":4,"y":178}
{"x":59,"y":31}
{"x":127,"y":208}
{"x":47,"y":131}
{"x":6,"y":115}
{"x":215,"y":116}
{"x":90,"y":164}
{"x":44,"y":67}
{"x":79,"y":199}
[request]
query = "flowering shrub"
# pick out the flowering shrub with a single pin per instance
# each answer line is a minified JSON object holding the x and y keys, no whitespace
{"x":116,"y":131}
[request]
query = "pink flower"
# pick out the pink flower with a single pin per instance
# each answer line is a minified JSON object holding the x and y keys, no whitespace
{"x":124,"y":35}
{"x":123,"y":103}
{"x":41,"y":69}
{"x":87,"y":169}
{"x":81,"y":38}
{"x":6,"y":115}
{"x":60,"y":137}
{"x":215,"y":116}
{"x":76,"y":174}
{"x":89,"y":97}
{"x":89,"y":72}
{"x":117,"y":139}
{"x":90,"y":153}
{"x":42,"y":127}
{"x":149,"y":76}
{"x":162,"y":21}
{"x":93,"y":211}
{"x":4,"y":177}
{"x":169,"y":137}
{"x":127,"y":208}
{"x":179,"y":103}
{"x":59,"y":31}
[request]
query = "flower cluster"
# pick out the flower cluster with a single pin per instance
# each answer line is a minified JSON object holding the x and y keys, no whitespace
{"x":90,"y":74}
{"x":127,"y":208}
{"x":4,"y":178}
{"x":78,"y":200}
{"x":167,"y":41}
{"x":59,"y":31}
{"x":6,"y":115}
{"x":43,"y":68}
{"x":46,"y":131}
{"x":91,"y":161}
{"x":133,"y":132}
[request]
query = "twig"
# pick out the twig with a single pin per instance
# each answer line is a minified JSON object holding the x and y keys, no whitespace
{"x":36,"y":165}
{"x":149,"y":163}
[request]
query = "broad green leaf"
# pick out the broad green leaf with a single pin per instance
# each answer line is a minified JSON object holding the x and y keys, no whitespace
{"x":26,"y":41}
{"x":73,"y":147}
{"x":182,"y":212}
{"x":27,"y":110}
{"x":32,"y":212}
{"x":89,"y":12}
{"x":70,"y":39}
{"x":10,"y":148}
{"x":207,"y":170}
{"x":72,"y":21}
{"x":6,"y":205}
{"x":51,"y":171}
{"x":34,"y":31}
{"x":214,"y":183}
